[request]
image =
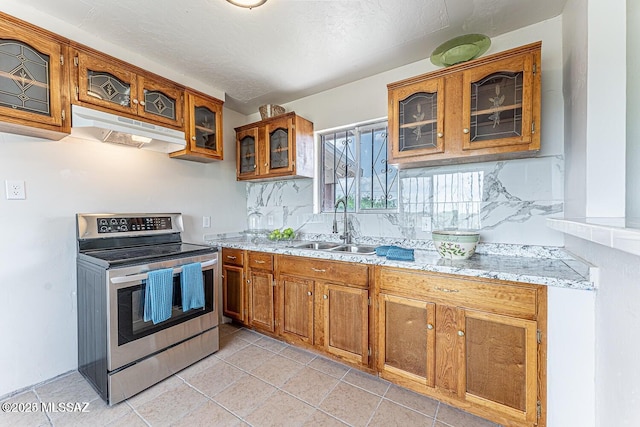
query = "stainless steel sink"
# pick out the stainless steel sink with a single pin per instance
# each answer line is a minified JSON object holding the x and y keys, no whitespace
{"x":317,"y":245}
{"x":356,"y":249}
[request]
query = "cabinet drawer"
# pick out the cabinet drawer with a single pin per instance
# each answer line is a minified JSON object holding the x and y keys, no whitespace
{"x":233,"y":256}
{"x":330,"y":271}
{"x":481,"y":294}
{"x":260,"y":260}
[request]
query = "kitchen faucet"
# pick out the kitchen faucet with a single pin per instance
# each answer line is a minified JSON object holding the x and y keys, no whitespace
{"x":346,"y":236}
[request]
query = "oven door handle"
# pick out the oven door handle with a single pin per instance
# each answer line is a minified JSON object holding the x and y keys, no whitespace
{"x":143,"y":276}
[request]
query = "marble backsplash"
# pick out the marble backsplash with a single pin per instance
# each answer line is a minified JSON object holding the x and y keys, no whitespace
{"x":508,"y":201}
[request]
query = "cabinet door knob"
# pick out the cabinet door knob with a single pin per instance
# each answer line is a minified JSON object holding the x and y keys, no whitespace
{"x":429,"y":326}
{"x":193,"y":138}
{"x":135,"y":101}
{"x":309,"y":293}
{"x":461,"y":333}
{"x":255,"y":166}
{"x":465,"y":130}
{"x":248,"y":281}
{"x":440,"y":134}
{"x":266,"y":164}
{"x":143,"y":103}
{"x":325,"y":296}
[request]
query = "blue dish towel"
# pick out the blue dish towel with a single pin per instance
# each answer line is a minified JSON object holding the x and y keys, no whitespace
{"x":382,"y":250}
{"x":158,"y":295}
{"x":192,"y":286}
{"x":400,"y":254}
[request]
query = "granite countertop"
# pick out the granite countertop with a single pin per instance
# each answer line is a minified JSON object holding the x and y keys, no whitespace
{"x":517,"y":263}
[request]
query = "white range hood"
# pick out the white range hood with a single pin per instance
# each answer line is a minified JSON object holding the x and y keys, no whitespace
{"x":98,"y":125}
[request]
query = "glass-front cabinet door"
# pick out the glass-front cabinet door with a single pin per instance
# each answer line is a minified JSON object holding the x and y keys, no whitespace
{"x":160,"y":102}
{"x":498,"y":104}
{"x":247,"y":151}
{"x":417,"y":122}
{"x":30,"y":77}
{"x":205,"y":126}
{"x":104,"y":84}
{"x":279,"y":146}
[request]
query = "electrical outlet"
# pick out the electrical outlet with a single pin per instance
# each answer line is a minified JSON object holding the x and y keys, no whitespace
{"x":206,"y":221}
{"x":15,"y":190}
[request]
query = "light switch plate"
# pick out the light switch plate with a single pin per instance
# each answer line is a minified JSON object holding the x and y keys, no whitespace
{"x":206,"y":221}
{"x":15,"y":190}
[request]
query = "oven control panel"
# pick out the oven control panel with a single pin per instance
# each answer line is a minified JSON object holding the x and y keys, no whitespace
{"x":125,"y":224}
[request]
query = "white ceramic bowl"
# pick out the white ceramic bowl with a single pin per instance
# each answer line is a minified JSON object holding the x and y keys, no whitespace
{"x":455,"y":244}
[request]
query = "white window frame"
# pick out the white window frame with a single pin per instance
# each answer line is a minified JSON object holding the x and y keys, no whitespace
{"x":319,"y":172}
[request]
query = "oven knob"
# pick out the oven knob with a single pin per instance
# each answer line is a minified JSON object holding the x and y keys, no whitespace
{"x":123,"y":221}
{"x":123,"y":228}
{"x":103,"y":221}
{"x":103,"y":229}
{"x":114,"y":221}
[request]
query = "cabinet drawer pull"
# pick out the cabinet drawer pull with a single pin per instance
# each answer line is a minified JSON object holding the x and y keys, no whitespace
{"x":319,"y":270}
{"x":461,"y":333}
{"x":231,"y":257}
{"x":429,"y":326}
{"x":446,"y":290}
{"x":258,"y":261}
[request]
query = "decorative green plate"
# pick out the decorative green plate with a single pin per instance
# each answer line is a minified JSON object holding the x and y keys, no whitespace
{"x":460,"y":49}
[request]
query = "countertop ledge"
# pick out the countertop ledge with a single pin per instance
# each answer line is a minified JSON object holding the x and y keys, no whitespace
{"x":557,"y":268}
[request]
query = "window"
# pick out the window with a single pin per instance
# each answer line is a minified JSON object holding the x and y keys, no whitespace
{"x":354,"y":166}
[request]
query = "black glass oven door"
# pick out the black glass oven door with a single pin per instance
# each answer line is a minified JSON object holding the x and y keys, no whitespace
{"x":131,"y":324}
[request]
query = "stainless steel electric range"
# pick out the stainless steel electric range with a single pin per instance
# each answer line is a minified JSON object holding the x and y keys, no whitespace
{"x":119,"y":352}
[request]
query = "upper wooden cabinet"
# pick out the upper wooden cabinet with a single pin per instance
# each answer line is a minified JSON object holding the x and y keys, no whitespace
{"x":101,"y":81}
{"x":33,"y":81}
{"x":203,"y":129}
{"x":278,"y":147}
{"x":484,"y":109}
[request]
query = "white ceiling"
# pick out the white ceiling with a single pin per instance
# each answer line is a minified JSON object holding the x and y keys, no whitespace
{"x":288,"y":49}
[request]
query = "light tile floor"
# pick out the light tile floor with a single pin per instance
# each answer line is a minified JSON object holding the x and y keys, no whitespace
{"x":252,"y":381}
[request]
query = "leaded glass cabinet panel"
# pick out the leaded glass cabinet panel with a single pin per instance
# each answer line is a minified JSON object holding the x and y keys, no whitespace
{"x":205,"y":126}
{"x":247,"y":145}
{"x":279,"y":149}
{"x":32,"y":90}
{"x":160,"y":101}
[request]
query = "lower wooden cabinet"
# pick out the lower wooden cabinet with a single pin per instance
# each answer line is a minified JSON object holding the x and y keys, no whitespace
{"x":472,"y":343}
{"x":477,"y":344}
{"x":261,"y":286}
{"x":233,"y":285}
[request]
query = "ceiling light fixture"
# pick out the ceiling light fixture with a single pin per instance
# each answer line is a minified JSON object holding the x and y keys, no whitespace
{"x":249,"y":4}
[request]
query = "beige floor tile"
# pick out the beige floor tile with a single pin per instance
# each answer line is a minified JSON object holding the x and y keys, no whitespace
{"x":230,"y":344}
{"x":209,"y":414}
{"x":25,"y":410}
{"x":366,"y":381}
{"x":154,"y":391}
{"x":130,"y":420}
{"x":171,"y":406}
{"x":310,"y":385}
{"x":215,"y":379}
{"x":457,"y":418}
{"x":391,"y":414}
{"x":250,"y":357}
{"x":350,"y":404}
{"x":322,"y":419}
{"x":245,"y":395}
{"x":271,"y":344}
{"x":225,"y":329}
{"x":297,"y":354}
{"x":412,"y":400}
{"x":329,"y":367}
{"x":281,"y":409}
{"x":248,"y":335}
{"x":277,"y":370}
{"x":70,"y":388}
{"x":97,"y":413}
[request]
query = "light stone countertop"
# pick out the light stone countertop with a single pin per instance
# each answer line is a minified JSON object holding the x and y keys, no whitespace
{"x":537,"y":265}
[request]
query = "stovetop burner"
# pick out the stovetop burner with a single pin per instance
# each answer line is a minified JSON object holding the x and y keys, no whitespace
{"x":127,"y":239}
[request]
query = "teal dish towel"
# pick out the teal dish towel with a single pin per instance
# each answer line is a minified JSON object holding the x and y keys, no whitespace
{"x":382,"y":250}
{"x":400,"y":254}
{"x":192,"y":286}
{"x":158,"y":295}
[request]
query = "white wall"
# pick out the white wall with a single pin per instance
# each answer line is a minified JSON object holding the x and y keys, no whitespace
{"x":38,"y":247}
{"x":633,"y":111}
{"x":595,"y":154}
